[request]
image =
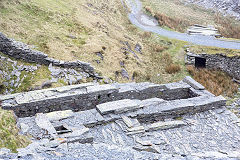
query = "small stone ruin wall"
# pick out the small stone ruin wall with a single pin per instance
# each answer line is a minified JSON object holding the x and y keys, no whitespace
{"x":21,"y":51}
{"x":87,"y":96}
{"x":230,"y":65}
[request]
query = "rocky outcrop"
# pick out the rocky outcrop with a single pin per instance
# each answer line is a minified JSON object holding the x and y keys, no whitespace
{"x":21,"y":51}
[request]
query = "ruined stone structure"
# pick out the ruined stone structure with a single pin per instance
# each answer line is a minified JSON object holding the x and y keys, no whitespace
{"x":125,"y":121}
{"x":21,"y":51}
{"x":88,"y":96}
{"x":227,"y":64}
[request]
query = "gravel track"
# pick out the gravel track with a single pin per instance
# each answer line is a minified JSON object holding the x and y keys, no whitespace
{"x":136,"y":18}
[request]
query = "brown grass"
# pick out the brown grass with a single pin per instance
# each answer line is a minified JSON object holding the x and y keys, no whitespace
{"x":173,"y":68}
{"x":217,"y":82}
{"x":178,"y":16}
{"x":146,"y":35}
{"x":149,"y":10}
{"x":166,"y":57}
{"x":228,"y":28}
{"x":160,"y":48}
{"x":172,"y":23}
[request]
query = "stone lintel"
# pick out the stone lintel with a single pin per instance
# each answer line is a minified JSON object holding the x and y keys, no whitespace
{"x":118,"y":106}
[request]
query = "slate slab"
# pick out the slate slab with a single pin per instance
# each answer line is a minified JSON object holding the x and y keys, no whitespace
{"x":118,"y":106}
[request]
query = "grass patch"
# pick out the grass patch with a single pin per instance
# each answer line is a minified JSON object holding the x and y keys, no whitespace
{"x":176,"y":24}
{"x":170,"y":13}
{"x":228,"y":27}
{"x":214,"y":50}
{"x":46,"y":25}
{"x":173,"y":68}
{"x":164,"y":52}
{"x":27,"y":80}
{"x":9,"y":137}
{"x":217,"y":82}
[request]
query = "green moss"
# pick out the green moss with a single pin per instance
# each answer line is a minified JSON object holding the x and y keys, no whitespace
{"x":61,"y":81}
{"x":9,"y":137}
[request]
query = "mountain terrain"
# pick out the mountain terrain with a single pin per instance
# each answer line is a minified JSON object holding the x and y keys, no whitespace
{"x":101,"y":33}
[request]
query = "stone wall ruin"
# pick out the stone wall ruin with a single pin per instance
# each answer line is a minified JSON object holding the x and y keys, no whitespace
{"x":21,"y":51}
{"x":180,"y":97}
{"x":221,"y":62}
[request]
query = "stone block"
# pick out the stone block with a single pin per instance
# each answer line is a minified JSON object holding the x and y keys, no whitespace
{"x":152,"y":101}
{"x":83,"y":140}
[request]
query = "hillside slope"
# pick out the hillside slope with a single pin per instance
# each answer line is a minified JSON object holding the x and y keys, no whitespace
{"x":97,"y":32}
{"x":94,"y":31}
{"x":227,"y":7}
{"x":179,"y":15}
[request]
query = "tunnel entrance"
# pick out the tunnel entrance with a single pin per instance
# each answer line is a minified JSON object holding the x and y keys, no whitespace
{"x":200,"y":62}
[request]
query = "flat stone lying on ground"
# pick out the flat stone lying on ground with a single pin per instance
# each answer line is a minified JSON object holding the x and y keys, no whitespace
{"x":59,"y":115}
{"x":127,"y":121}
{"x":43,"y":122}
{"x":164,"y":125}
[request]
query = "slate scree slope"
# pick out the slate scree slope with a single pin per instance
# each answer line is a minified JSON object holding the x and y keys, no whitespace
{"x":179,"y":120}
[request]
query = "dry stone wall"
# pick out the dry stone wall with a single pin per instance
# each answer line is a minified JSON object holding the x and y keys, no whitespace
{"x":21,"y":51}
{"x":227,"y":64}
{"x":88,"y":96}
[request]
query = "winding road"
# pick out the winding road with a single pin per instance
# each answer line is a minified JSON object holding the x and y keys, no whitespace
{"x":138,"y":18}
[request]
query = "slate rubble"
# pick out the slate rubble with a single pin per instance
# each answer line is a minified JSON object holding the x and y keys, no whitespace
{"x":194,"y":127}
{"x":227,"y":7}
{"x":14,"y":73}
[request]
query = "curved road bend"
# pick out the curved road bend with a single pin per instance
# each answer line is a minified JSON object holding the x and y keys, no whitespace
{"x":139,"y":19}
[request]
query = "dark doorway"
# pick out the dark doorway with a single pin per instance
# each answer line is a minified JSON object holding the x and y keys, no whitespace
{"x":200,"y":62}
